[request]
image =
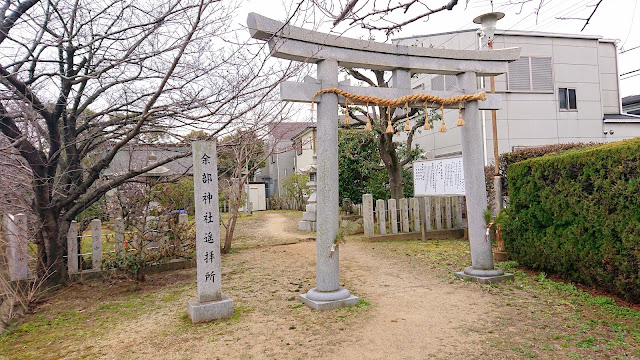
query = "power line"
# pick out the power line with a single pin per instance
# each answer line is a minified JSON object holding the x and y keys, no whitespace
{"x":553,"y":18}
{"x":633,"y":48}
{"x":630,"y":72}
{"x":629,"y":77}
{"x":633,"y":17}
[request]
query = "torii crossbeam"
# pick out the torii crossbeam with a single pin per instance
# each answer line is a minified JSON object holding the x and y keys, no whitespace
{"x":329,"y":52}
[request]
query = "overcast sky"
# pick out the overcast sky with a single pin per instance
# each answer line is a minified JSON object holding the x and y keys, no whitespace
{"x":614,"y":19}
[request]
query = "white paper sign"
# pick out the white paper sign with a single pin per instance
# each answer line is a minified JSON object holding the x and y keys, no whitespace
{"x":438,"y":177}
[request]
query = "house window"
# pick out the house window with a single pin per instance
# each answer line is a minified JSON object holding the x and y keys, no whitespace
{"x":312,"y":176}
{"x":298,"y":146}
{"x":530,"y":74}
{"x":567,"y":99}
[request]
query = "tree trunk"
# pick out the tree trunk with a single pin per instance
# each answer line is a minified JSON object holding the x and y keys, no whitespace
{"x":52,"y":245}
{"x":389,"y":157}
{"x":233,"y":213}
{"x":396,"y":181}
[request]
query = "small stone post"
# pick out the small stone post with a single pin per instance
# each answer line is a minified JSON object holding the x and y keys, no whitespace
{"x":481,"y":268}
{"x":404,"y":215}
{"x":327,"y":294}
{"x":393,"y":215}
{"x":447,"y":211}
{"x":382,"y":226}
{"x":438,"y":206}
{"x":183,"y":219}
{"x":459,"y":202}
{"x":367,"y":214}
{"x":211,"y":302}
{"x":119,"y":225}
{"x":17,"y":247}
{"x":428,"y":213}
{"x":415,"y":207}
{"x":72,"y":248}
{"x":96,"y":244}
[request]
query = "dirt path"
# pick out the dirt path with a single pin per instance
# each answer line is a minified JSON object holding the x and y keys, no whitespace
{"x":414,"y":314}
{"x":276,"y":227}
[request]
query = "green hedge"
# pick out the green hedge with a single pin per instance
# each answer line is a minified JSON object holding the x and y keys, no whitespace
{"x":513,"y":157}
{"x":578,"y":214}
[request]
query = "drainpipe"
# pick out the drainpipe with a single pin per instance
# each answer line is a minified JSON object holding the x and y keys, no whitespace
{"x":482,"y":113}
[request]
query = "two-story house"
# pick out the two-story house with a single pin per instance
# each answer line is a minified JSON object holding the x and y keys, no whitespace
{"x":304,"y":145}
{"x":564,"y":88}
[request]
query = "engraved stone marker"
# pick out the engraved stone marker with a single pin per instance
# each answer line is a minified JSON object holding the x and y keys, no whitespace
{"x":96,"y":243}
{"x":393,"y":215}
{"x":72,"y":248}
{"x":404,"y":215}
{"x":17,"y":249}
{"x":382,"y":225}
{"x":367,"y":210}
{"x":119,"y":225}
{"x":211,"y":303}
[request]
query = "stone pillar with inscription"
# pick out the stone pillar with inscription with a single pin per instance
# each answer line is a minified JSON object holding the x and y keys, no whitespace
{"x":72,"y":248}
{"x":17,"y":246}
{"x":211,"y":303}
{"x":96,"y":244}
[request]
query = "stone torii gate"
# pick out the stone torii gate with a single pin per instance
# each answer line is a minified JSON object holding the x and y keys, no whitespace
{"x":329,"y":52}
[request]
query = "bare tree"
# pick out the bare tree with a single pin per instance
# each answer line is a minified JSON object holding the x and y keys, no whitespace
{"x":241,"y":154}
{"x":392,"y":158}
{"x":79,"y":80}
{"x":387,"y":16}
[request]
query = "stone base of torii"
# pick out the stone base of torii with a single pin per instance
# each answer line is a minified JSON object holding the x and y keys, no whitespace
{"x":329,"y":52}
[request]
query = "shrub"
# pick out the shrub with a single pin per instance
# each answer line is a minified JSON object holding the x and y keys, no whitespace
{"x":513,"y":157}
{"x":155,"y":243}
{"x":578,"y":214}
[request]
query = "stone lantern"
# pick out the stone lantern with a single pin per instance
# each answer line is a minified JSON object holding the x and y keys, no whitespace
{"x":308,"y":222}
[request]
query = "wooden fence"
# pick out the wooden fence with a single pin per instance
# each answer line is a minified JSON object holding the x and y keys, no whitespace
{"x":16,"y":243}
{"x":403,"y":216}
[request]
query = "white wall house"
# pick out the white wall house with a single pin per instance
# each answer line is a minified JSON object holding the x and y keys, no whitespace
{"x":564,"y":88}
{"x":304,"y":145}
{"x":281,"y":163}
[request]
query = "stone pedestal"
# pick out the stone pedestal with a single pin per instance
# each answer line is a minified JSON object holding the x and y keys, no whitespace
{"x":207,"y":311}
{"x":319,"y":300}
{"x":484,"y":276}
{"x":211,"y":303}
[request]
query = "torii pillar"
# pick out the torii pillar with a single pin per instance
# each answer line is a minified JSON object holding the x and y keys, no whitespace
{"x":329,"y":52}
{"x":327,"y":294}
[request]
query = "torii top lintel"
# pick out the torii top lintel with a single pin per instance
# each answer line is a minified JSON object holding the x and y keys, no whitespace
{"x":299,"y":44}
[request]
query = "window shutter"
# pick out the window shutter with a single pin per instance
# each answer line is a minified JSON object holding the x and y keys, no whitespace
{"x":450,"y":82}
{"x":519,"y":78}
{"x":541,"y":74}
{"x":437,"y":83}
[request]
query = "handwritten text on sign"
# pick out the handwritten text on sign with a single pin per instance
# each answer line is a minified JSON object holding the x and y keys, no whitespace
{"x":438,"y":177}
